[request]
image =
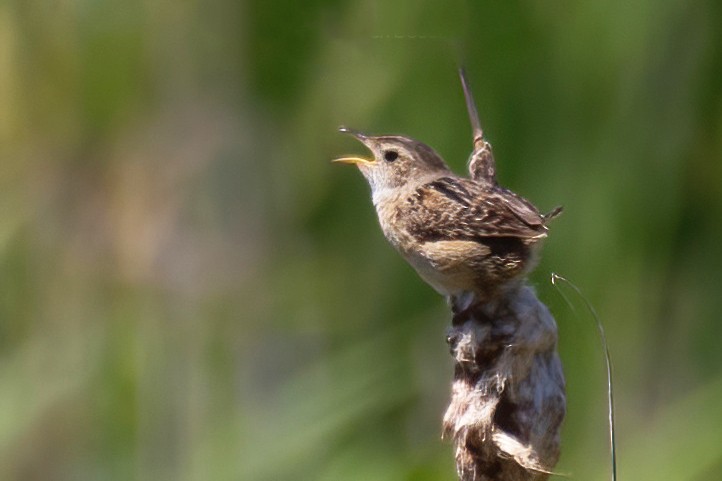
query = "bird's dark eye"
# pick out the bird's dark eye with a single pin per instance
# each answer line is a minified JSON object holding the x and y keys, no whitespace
{"x":391,"y":155}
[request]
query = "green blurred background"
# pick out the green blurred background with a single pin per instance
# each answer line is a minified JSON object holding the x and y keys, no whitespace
{"x":191,"y":291}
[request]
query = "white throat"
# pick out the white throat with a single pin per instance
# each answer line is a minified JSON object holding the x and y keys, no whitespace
{"x":380,"y":195}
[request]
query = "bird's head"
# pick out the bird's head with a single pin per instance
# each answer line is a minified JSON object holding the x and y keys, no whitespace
{"x":396,"y":160}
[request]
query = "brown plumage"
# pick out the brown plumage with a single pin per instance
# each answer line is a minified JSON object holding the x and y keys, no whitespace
{"x":478,"y":239}
{"x":454,"y":208}
{"x":461,"y":235}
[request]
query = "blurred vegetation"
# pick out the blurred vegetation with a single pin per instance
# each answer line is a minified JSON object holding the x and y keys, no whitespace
{"x":190,"y":291}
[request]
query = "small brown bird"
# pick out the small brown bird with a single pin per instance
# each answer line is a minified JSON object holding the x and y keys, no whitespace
{"x":463,"y":236}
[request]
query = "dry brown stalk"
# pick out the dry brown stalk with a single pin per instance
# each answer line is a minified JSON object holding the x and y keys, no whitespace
{"x":508,"y":399}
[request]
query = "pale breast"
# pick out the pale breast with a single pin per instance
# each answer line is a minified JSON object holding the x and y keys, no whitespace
{"x":449,"y":266}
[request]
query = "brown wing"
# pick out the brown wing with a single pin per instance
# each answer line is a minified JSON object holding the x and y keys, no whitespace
{"x":452,"y":208}
{"x":520,"y":207}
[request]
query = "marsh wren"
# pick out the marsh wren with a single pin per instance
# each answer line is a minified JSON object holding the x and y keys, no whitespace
{"x":462,"y":235}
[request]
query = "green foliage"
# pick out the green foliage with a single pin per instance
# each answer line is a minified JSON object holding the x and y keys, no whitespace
{"x":191,"y":291}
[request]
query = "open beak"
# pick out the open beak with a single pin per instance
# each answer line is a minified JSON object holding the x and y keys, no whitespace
{"x":363,"y":138}
{"x":353,"y":160}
